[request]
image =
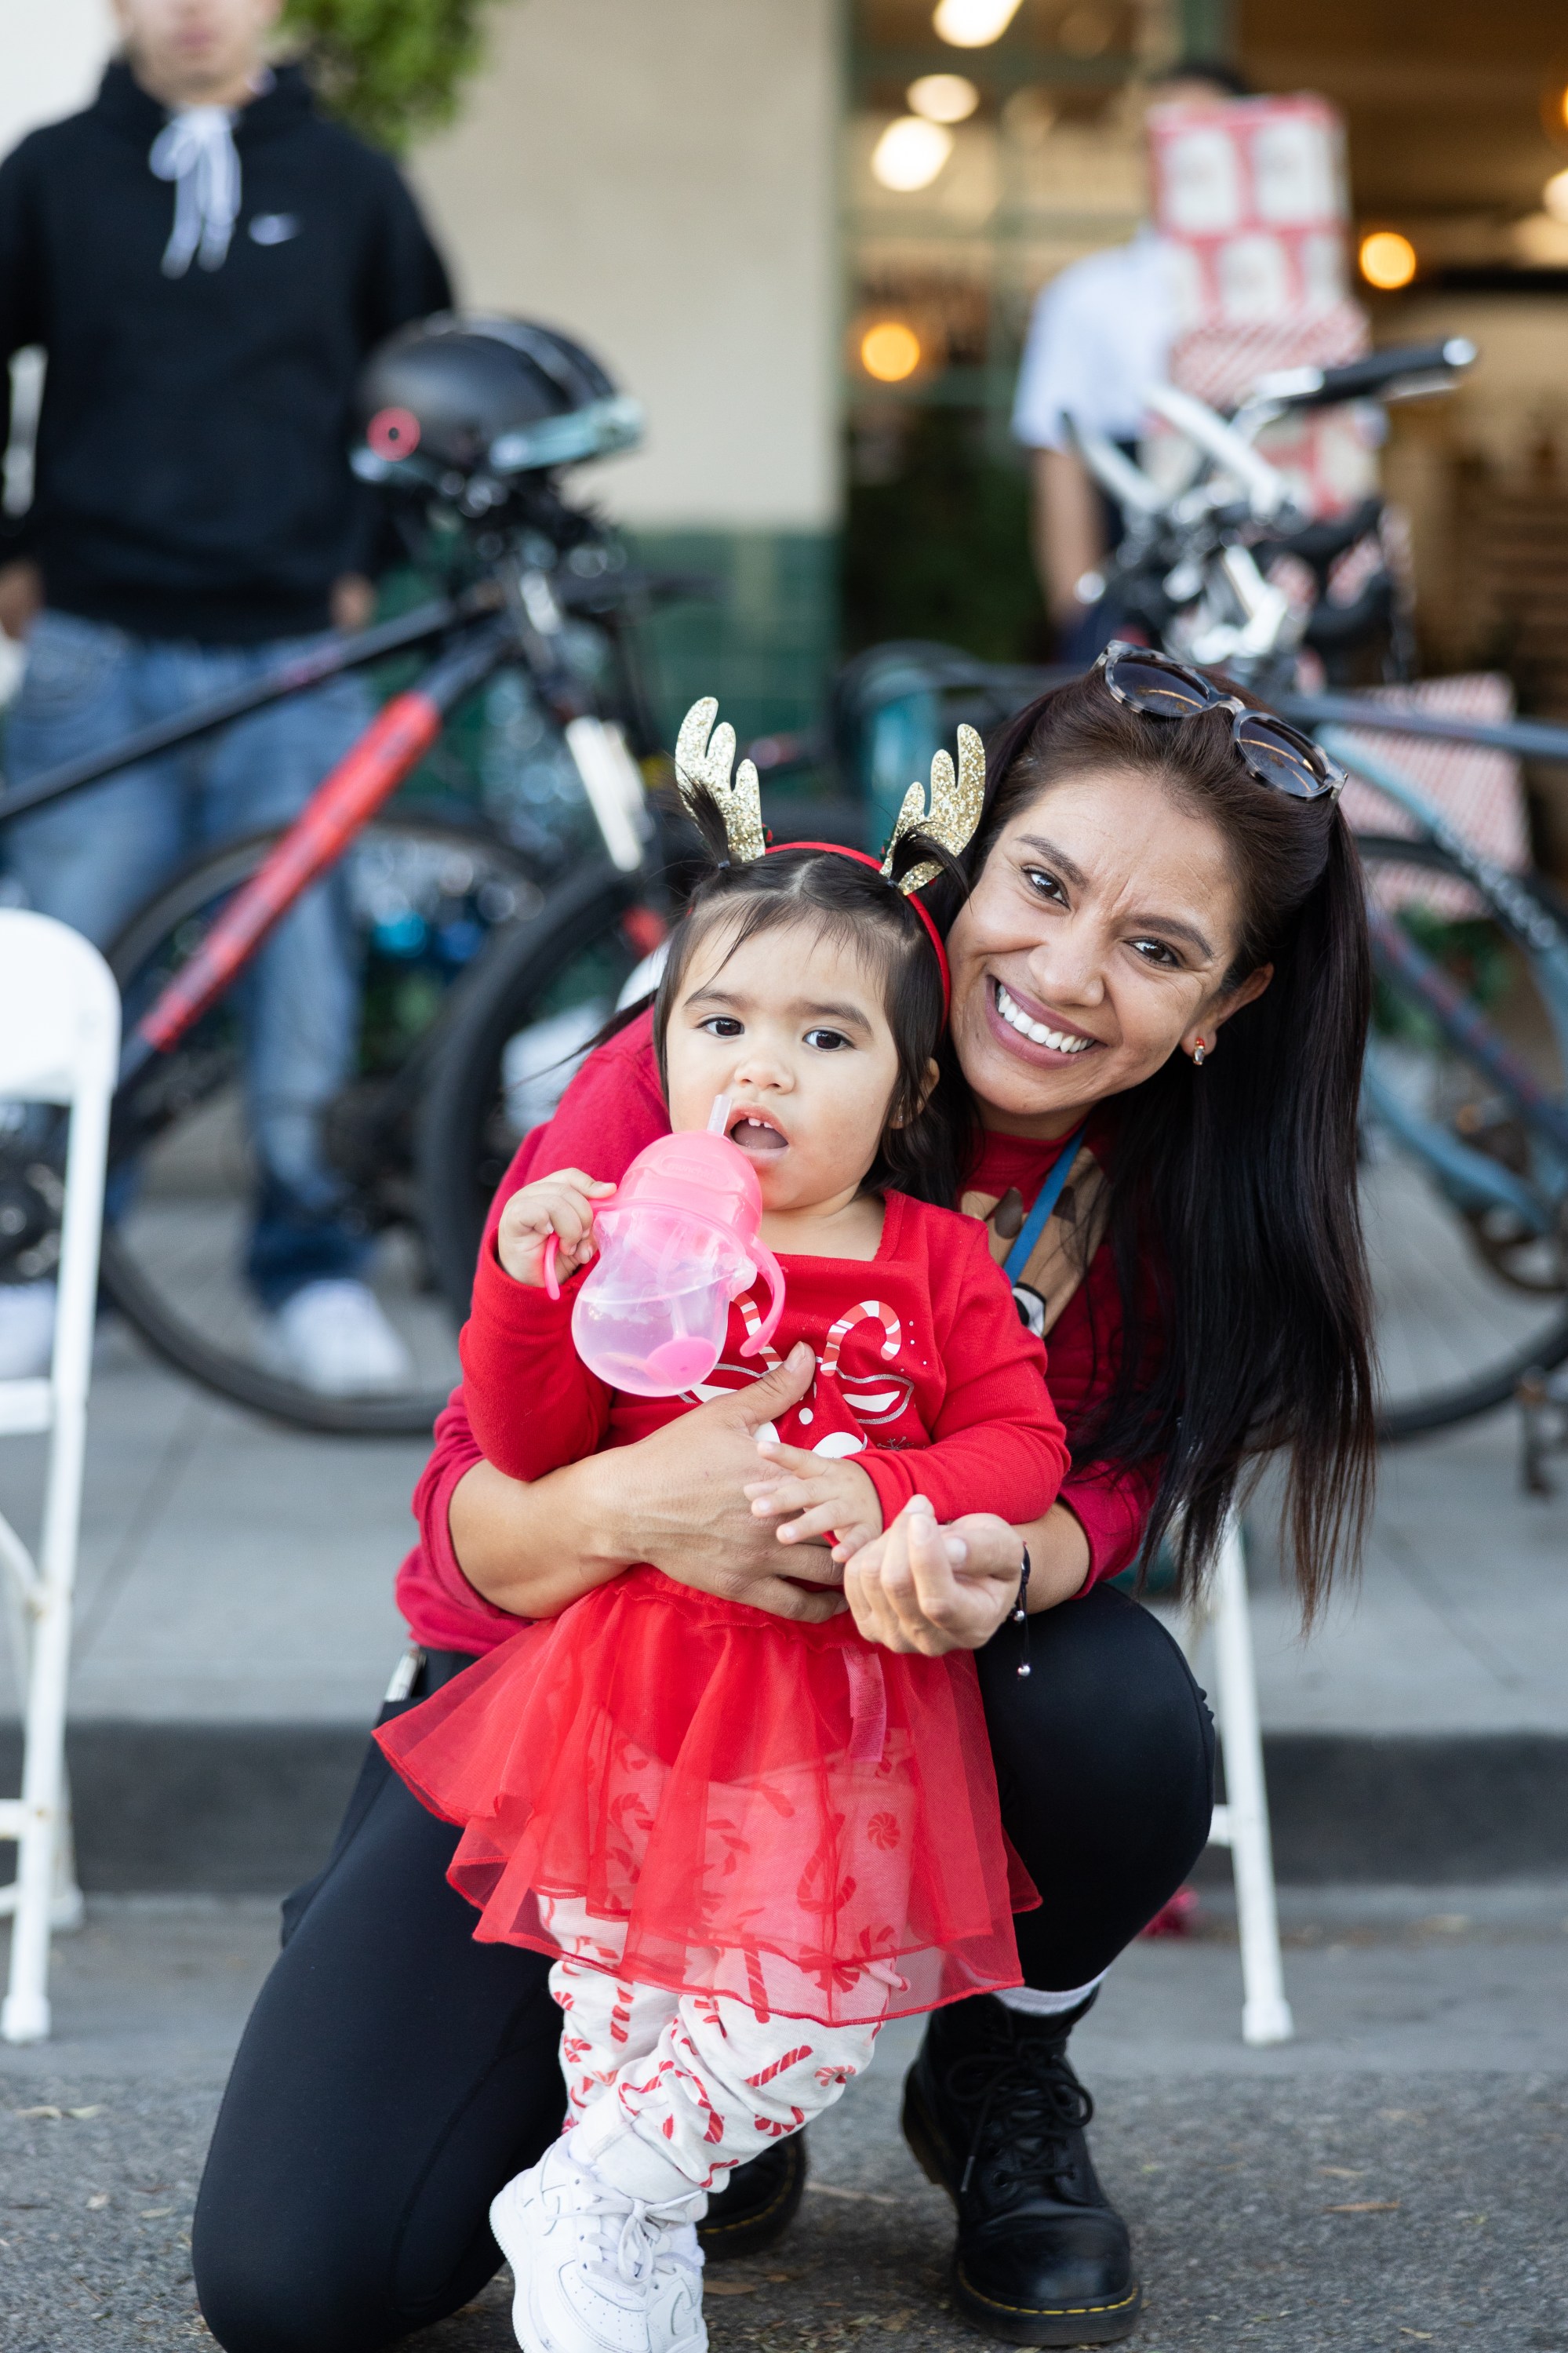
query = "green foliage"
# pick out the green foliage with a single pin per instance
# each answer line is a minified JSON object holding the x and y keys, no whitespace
{"x":941,"y":550}
{"x":391,"y":69}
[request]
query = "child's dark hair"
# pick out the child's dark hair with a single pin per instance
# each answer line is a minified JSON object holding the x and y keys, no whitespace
{"x":925,"y":1144}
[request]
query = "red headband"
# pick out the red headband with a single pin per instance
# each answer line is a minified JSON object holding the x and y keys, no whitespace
{"x":863,"y":858}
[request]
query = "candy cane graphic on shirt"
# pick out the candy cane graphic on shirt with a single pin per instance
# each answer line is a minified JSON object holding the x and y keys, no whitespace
{"x":864,"y":1309}
{"x":752,"y":1319}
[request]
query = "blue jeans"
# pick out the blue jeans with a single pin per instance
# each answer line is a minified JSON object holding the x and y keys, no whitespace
{"x":94,"y":859}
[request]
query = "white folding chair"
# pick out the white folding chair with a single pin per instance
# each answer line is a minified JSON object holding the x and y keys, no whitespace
{"x":1242,"y":1822}
{"x":59,"y":1043}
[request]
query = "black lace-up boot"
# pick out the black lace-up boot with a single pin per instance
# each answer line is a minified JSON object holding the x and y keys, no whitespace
{"x":758,"y":2203}
{"x":995,"y":2116}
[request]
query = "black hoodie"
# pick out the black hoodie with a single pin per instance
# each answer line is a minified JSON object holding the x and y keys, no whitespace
{"x":191,"y":478}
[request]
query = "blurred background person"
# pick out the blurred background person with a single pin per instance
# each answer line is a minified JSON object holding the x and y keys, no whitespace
{"x":205,"y":262}
{"x":1100,"y":334}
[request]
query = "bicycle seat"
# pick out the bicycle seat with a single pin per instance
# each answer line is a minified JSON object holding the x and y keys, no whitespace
{"x":1320,"y":545}
{"x":471,"y":392}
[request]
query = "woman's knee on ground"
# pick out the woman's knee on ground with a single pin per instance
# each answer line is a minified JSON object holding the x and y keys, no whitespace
{"x":1109,"y":1705}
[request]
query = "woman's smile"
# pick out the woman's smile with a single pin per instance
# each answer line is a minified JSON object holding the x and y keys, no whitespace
{"x":1110,"y":897}
{"x":1050,"y":1038}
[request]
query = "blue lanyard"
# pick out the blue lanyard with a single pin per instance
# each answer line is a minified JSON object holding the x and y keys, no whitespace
{"x":1050,"y":1193}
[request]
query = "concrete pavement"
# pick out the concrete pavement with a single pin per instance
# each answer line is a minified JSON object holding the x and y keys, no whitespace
{"x":1393,"y":2178}
{"x":232,"y":1570}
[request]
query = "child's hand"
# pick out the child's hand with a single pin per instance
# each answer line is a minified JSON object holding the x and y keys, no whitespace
{"x":834,"y":1497}
{"x":562,"y":1205}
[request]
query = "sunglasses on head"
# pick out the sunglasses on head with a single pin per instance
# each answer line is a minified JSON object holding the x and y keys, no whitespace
{"x":1274,"y":754}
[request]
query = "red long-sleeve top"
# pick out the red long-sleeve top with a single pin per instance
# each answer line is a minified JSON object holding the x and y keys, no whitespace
{"x":925,"y":1375}
{"x":613,"y":1107}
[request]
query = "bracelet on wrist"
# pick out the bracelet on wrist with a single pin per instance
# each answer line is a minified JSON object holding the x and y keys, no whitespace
{"x":1019,"y":1613}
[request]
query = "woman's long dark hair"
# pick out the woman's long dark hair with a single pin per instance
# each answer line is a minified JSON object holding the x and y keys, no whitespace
{"x":1231,"y":1193}
{"x":926,"y":1141}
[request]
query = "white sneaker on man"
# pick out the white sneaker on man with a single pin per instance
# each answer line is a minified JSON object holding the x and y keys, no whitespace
{"x":597,"y":2272}
{"x":334,"y":1337}
{"x":27,"y":1329}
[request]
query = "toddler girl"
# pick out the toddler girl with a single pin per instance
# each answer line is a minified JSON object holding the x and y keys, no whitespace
{"x":746,"y":1840}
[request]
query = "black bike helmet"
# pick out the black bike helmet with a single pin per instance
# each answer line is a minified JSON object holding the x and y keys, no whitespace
{"x":471,"y":392}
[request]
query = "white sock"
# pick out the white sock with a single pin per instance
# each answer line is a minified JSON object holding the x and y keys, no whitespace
{"x":1031,"y":2004}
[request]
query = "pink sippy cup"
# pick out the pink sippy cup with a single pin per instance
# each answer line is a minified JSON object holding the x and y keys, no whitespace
{"x":677,"y":1242}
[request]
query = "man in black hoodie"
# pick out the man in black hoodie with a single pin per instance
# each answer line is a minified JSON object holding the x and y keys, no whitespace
{"x":206,"y":263}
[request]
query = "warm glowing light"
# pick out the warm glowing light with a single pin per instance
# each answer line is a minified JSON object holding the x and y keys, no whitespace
{"x":1387,"y":260}
{"x":943,"y":98}
{"x":973,"y":24}
{"x":890,"y":350}
{"x":910,"y":153}
{"x":1554,"y":196}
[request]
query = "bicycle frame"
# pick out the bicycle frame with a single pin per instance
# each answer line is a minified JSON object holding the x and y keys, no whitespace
{"x":364,"y":779}
{"x":1477,"y":1178}
{"x":427,"y":621}
{"x":516,"y":615}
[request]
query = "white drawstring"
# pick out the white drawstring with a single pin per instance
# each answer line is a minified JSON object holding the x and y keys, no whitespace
{"x":196,"y":149}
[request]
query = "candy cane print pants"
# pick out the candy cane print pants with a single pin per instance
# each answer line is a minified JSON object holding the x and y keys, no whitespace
{"x":667,"y":2091}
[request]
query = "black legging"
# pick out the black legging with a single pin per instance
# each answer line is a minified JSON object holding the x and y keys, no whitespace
{"x":394,"y":2073}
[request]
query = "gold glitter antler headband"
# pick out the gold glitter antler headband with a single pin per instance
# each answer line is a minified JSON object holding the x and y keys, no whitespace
{"x":705,"y":755}
{"x":702,"y":762}
{"x":953,"y":813}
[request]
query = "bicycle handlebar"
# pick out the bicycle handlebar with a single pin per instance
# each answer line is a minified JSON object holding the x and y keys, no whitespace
{"x":1417,"y":367}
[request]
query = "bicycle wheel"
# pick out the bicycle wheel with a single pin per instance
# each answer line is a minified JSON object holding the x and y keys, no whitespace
{"x":1463,"y":1196}
{"x":514,"y":1041}
{"x":426,"y":894}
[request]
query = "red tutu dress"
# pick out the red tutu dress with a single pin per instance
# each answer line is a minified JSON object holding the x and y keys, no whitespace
{"x":694,"y":1794}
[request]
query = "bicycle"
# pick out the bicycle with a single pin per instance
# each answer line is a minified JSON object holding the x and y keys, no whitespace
{"x":1464,"y":1183}
{"x":459,"y":921}
{"x":536,"y":590}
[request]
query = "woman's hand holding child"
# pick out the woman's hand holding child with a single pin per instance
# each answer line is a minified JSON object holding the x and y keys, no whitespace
{"x":562,"y":1205}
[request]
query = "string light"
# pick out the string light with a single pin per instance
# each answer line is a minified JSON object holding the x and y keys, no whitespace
{"x":909,"y":153}
{"x":943,"y":98}
{"x":1387,"y":260}
{"x":1554,"y":196}
{"x":973,"y":24}
{"x":890,"y":350}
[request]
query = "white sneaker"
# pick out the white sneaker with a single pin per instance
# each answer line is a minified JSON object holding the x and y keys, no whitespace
{"x":27,"y":1329}
{"x":333,"y":1336}
{"x":597,"y":2271}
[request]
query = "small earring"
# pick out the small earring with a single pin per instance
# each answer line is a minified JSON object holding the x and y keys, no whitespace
{"x":1199,"y":1051}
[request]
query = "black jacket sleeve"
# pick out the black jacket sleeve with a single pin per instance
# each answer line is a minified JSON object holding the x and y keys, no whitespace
{"x":405,"y":276}
{"x":21,"y":309}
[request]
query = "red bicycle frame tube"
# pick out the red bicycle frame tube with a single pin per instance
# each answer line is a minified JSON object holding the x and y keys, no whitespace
{"x":368,"y":774}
